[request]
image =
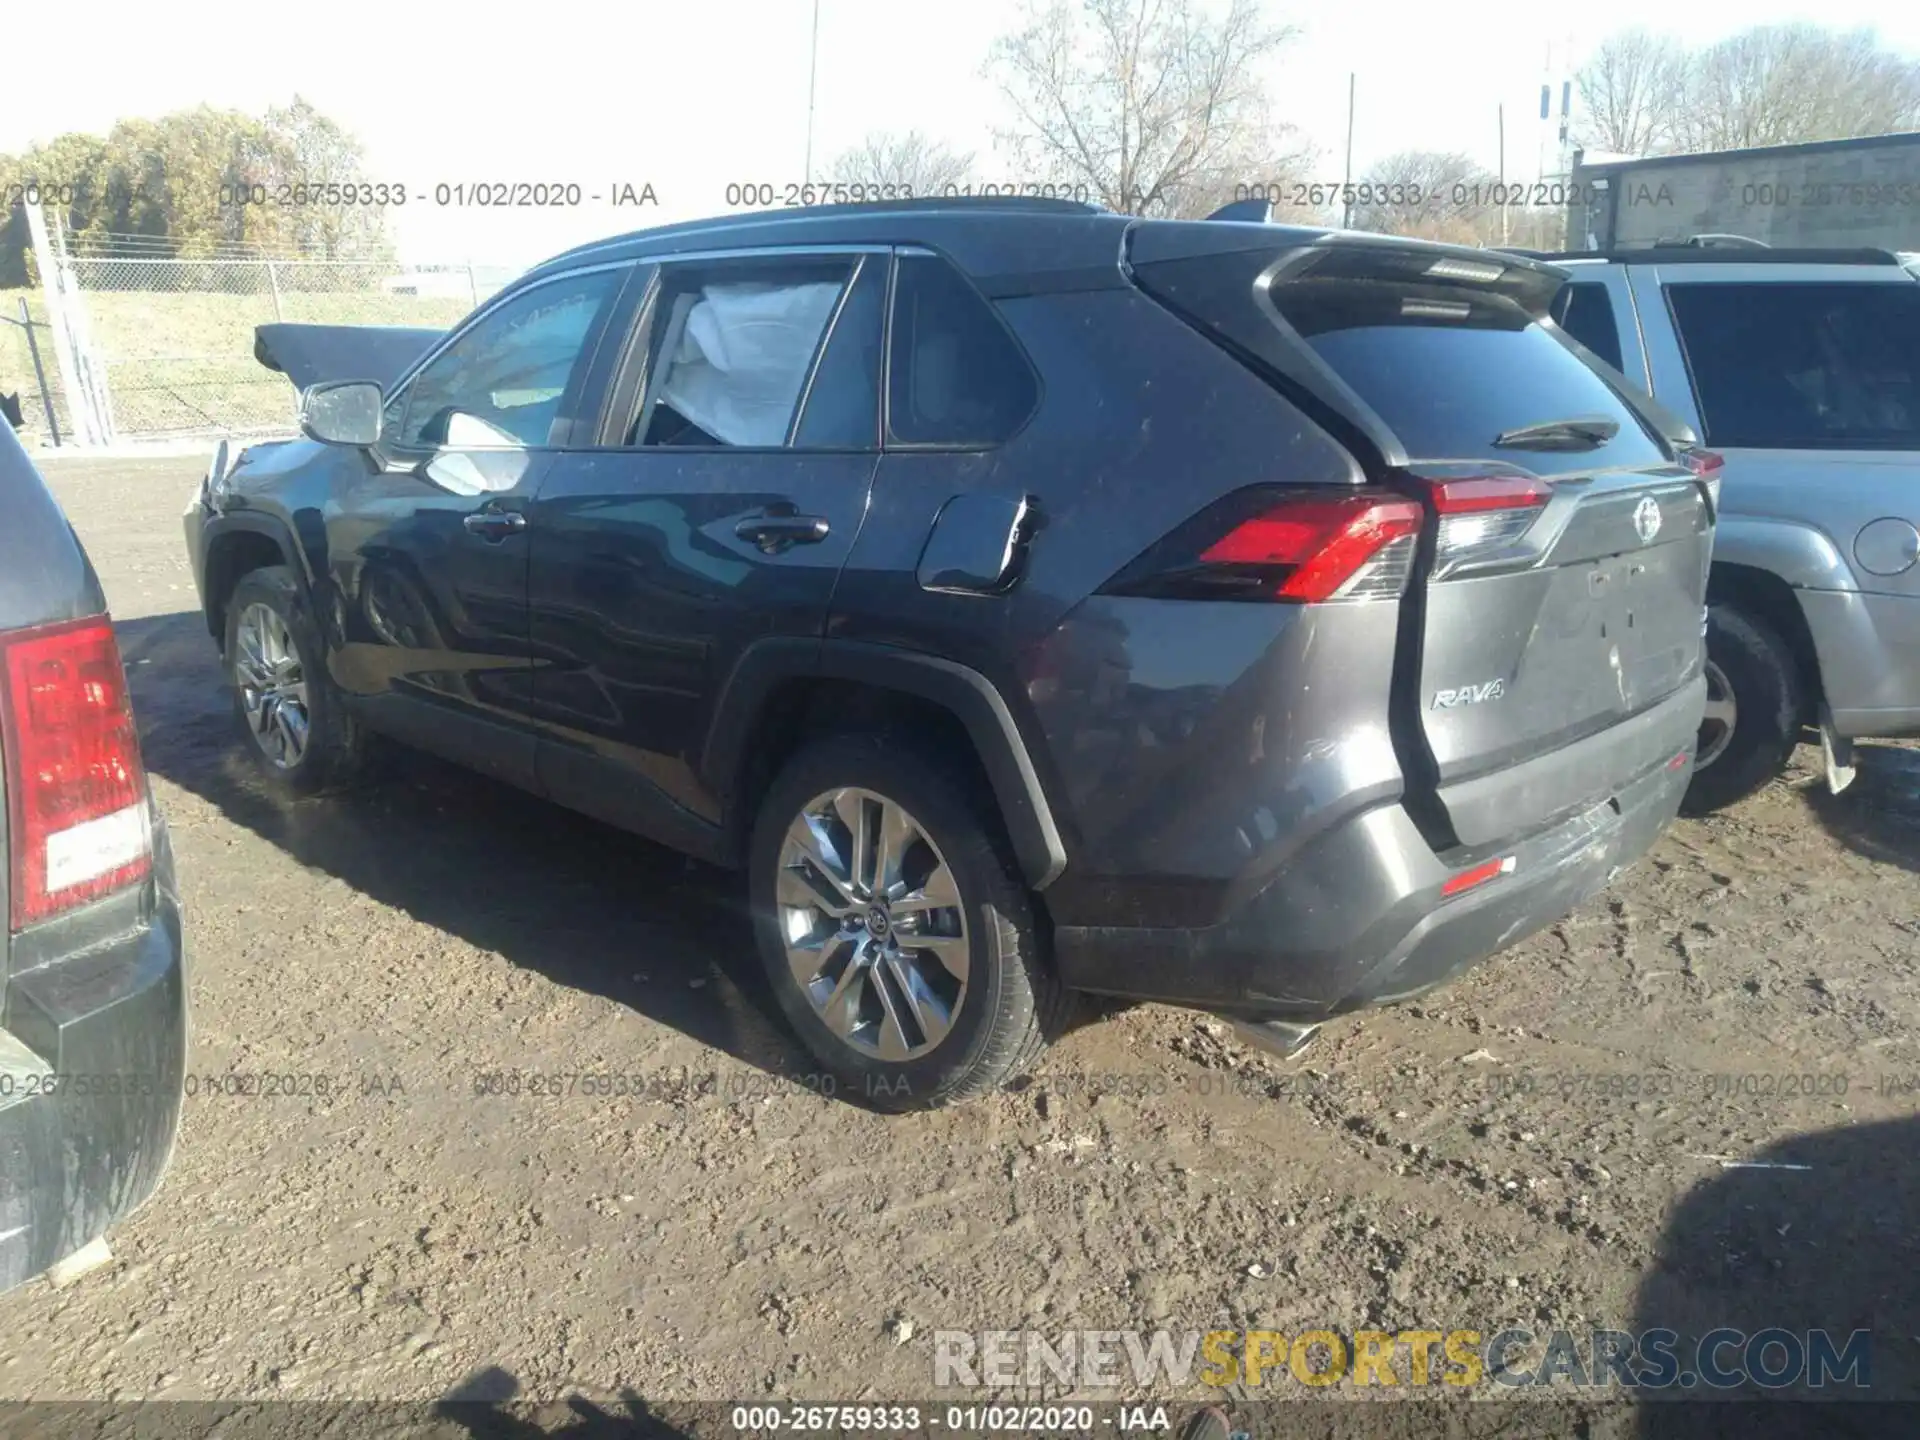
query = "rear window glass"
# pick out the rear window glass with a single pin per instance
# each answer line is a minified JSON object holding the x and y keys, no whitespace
{"x":1585,"y":312}
{"x":1450,"y":370}
{"x":1804,"y":366}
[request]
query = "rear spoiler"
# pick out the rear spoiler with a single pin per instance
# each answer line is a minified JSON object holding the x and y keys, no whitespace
{"x":1676,"y":431}
{"x":1205,"y":271}
{"x":310,"y":354}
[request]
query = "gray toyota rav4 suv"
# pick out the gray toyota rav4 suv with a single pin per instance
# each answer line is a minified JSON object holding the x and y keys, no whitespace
{"x":92,"y":993}
{"x":1030,"y":598}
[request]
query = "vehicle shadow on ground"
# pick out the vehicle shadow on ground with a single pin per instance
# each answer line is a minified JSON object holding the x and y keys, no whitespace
{"x":1841,"y":1237}
{"x":587,"y":906}
{"x":1879,"y":814}
{"x":487,"y":1407}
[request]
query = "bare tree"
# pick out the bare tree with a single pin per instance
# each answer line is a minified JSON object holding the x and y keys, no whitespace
{"x":1629,"y":92}
{"x":1785,"y":84}
{"x":923,"y":166}
{"x":1430,"y":195}
{"x":1770,"y":85}
{"x":1154,"y":106}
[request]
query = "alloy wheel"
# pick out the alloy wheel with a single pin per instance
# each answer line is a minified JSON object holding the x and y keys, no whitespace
{"x":273,"y":685}
{"x":1718,"y":720}
{"x":873,"y":923}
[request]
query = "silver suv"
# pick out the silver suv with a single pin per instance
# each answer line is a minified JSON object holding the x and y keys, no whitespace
{"x":1802,"y":368}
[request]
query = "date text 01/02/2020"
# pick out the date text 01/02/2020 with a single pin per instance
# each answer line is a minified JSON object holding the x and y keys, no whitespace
{"x":1411,"y":195}
{"x":991,"y":1419}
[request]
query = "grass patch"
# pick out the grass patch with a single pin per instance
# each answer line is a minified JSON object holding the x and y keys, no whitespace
{"x":179,"y":363}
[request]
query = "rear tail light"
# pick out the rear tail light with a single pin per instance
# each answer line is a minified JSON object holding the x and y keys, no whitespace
{"x":1296,"y":548}
{"x":76,"y":788}
{"x":1705,"y":465}
{"x":1481,"y":511}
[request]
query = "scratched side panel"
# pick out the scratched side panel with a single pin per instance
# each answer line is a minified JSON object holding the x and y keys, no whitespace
{"x":1204,"y":744}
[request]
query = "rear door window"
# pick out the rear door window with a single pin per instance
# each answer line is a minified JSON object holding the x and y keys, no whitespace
{"x":1585,"y":311}
{"x":1450,"y":370}
{"x":957,"y":377}
{"x":732,"y":346}
{"x":1803,"y":366}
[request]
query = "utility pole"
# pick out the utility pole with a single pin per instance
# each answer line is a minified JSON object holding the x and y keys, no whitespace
{"x":53,"y":291}
{"x":39,"y":370}
{"x":1546,"y":111}
{"x":1501,"y":192}
{"x":813,"y":70}
{"x":1346,"y":187}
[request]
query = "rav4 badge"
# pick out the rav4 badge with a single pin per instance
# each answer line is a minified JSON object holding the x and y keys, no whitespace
{"x":1469,"y":694}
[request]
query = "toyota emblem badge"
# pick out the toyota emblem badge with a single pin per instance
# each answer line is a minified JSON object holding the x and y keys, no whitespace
{"x":1646,"y":519}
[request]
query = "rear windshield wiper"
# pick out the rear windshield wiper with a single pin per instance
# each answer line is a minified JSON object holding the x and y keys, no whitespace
{"x":1582,"y":432}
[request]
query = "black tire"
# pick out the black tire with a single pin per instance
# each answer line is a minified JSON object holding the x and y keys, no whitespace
{"x":1012,"y":1004}
{"x":1761,"y":674}
{"x":335,"y":744}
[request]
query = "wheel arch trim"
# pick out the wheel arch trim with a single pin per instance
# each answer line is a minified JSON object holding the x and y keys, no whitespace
{"x":246,"y":522}
{"x":964,"y":693}
{"x":1806,"y":558}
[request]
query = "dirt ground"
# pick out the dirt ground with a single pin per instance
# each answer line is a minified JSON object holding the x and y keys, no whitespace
{"x":1540,"y":1144}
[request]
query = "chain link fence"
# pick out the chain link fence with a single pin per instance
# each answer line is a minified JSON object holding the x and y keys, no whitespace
{"x":174,"y":338}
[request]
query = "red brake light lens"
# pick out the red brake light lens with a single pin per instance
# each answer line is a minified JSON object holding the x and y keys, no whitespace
{"x":1703,"y":463}
{"x":1315,"y":547}
{"x":1482,"y":511}
{"x":1706,"y":466}
{"x":1470,"y":495}
{"x":1300,"y":546}
{"x":76,"y":787}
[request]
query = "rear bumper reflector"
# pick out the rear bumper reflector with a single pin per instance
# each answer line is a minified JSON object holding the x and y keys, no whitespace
{"x":1478,"y":875}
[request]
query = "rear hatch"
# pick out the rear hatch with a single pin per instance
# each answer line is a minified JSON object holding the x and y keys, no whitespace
{"x":1552,"y":621}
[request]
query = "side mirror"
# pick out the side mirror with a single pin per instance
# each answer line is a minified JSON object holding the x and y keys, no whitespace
{"x":342,"y":412}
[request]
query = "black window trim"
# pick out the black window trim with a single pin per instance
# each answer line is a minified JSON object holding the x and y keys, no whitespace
{"x":627,"y":388}
{"x":393,"y":457}
{"x":887,"y":440}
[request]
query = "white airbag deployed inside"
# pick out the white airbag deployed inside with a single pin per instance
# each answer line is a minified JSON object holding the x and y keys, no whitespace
{"x":743,"y":356}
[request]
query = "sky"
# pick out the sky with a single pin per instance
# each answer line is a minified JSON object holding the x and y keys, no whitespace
{"x":692,"y":97}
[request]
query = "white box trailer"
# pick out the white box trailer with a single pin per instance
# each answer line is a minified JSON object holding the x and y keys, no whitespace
{"x":1832,"y":194}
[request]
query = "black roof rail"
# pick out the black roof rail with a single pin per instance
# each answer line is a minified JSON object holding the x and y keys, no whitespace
{"x":742,"y":219}
{"x":1691,"y":254}
{"x":1731,"y":242}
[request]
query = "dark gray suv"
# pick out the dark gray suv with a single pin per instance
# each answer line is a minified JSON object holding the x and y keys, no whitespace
{"x":1029,"y":598}
{"x":92,"y":991}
